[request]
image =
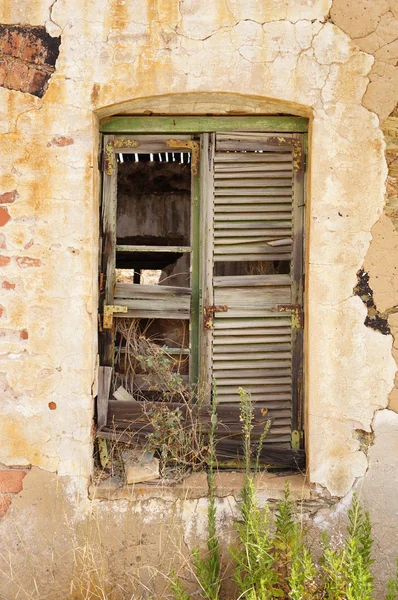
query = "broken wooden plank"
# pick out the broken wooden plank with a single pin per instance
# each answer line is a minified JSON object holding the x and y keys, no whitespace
{"x":104,"y":387}
{"x":122,"y":394}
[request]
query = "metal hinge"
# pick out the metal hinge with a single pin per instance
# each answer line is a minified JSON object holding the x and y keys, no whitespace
{"x":296,"y":313}
{"x":109,"y":157}
{"x":109,"y":310}
{"x":208,"y":314}
{"x":194,"y":146}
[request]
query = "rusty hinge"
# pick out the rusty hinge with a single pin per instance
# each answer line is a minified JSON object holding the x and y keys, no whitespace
{"x":109,"y":157}
{"x":101,"y":281}
{"x":109,"y":310}
{"x":296,"y":312}
{"x":194,"y":146}
{"x":208,"y":314}
{"x":297,"y":150}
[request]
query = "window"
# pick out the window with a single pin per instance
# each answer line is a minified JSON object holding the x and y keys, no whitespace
{"x":202,"y":257}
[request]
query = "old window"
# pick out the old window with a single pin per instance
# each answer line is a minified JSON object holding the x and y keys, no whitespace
{"x":202,"y":263}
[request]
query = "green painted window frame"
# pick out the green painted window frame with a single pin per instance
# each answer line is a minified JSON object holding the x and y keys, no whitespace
{"x":184,"y":124}
{"x":196,"y":125}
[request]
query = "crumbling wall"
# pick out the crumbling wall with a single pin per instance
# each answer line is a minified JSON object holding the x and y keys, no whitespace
{"x":225,"y":57}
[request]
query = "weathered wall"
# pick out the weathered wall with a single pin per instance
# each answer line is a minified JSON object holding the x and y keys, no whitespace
{"x":310,"y":58}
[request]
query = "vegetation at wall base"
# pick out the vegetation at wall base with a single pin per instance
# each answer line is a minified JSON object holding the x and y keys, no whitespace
{"x":272,"y":557}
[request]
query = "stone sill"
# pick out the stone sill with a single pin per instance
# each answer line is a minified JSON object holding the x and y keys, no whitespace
{"x":269,"y":486}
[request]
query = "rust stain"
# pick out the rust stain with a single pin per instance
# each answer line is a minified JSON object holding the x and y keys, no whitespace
{"x":52,"y":405}
{"x":24,"y":335}
{"x":95,"y":93}
{"x":118,"y":14}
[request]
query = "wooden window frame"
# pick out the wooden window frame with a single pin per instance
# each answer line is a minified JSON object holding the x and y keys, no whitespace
{"x":204,"y":126}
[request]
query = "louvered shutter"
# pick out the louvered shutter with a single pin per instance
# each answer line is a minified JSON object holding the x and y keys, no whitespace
{"x":256,"y":207}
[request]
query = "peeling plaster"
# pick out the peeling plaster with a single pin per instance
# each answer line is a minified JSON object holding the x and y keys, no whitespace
{"x":175,"y":57}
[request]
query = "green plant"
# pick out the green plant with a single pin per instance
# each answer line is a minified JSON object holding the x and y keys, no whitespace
{"x":392,"y":586}
{"x":207,"y":569}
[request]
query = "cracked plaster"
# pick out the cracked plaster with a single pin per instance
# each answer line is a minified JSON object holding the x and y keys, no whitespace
{"x":112,"y":53}
{"x":173,"y":57}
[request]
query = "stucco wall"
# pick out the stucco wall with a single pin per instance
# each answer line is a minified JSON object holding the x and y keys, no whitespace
{"x":181,"y":57}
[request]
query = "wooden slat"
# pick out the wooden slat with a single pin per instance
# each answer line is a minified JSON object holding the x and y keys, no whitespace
{"x":252,"y":280}
{"x":267,"y":360}
{"x":246,"y":249}
{"x":249,"y":216}
{"x":104,"y":387}
{"x":251,"y":298}
{"x":241,"y":169}
{"x":134,"y":290}
{"x":245,"y":201}
{"x":258,"y":224}
{"x":243,"y":157}
{"x":281,"y":350}
{"x":109,"y":211}
{"x":148,"y":313}
{"x":220,"y":209}
{"x":161,"y":249}
{"x":252,"y":192}
{"x":261,"y":325}
{"x":252,"y":182}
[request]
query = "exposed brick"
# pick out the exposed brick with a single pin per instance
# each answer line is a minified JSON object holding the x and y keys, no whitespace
{"x":6,"y":285}
{"x":11,"y":480}
{"x":11,"y":40}
{"x":17,"y":77}
{"x":4,"y":216}
{"x":5,"y":502}
{"x":3,"y":242}
{"x":8,"y":197}
{"x":28,"y":56}
{"x":24,"y":335}
{"x":1,"y":311}
{"x":37,"y":82}
{"x":52,"y":405}
{"x":3,"y":71}
{"x":27,"y":261}
{"x":4,"y":260}
{"x":61,"y":141}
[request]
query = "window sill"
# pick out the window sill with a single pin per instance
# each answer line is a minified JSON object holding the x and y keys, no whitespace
{"x":269,"y":486}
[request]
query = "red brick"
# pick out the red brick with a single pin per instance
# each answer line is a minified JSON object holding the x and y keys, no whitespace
{"x":36,"y":82}
{"x":52,"y":405}
{"x":1,"y":311}
{"x":4,"y":216}
{"x":8,"y":197}
{"x":5,"y":502}
{"x":4,"y":260}
{"x":3,"y":242}
{"x":11,"y":481}
{"x":17,"y":76}
{"x":27,"y":261}
{"x":3,"y":71}
{"x":6,"y":285}
{"x":24,"y":335}
{"x":11,"y":41}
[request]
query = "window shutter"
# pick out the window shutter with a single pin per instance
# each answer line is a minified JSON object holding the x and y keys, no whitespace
{"x":257,"y":275}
